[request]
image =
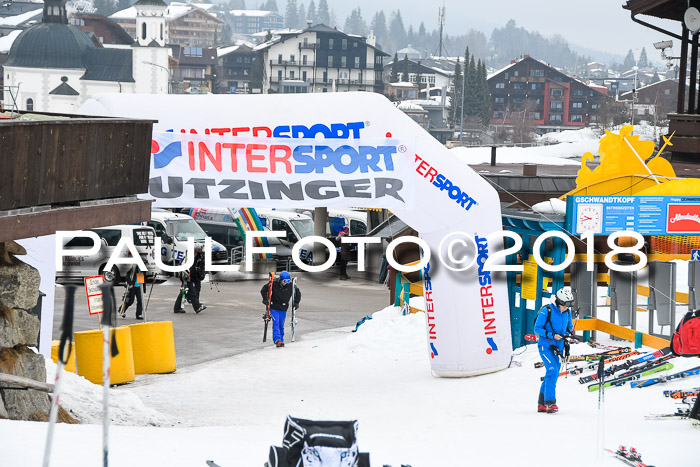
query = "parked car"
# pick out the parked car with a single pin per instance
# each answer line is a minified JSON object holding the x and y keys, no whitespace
{"x":174,"y":229}
{"x":76,"y":267}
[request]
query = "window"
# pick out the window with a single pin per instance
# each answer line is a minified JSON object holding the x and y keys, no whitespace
{"x":515,"y":73}
{"x":357,"y":62}
{"x":536,"y":72}
{"x":143,"y":31}
{"x":330,"y":60}
{"x":536,"y":86}
{"x":498,"y":115}
{"x":330,"y":43}
{"x":161,"y":32}
{"x":577,"y":105}
{"x":291,"y":74}
{"x":518,"y":86}
{"x":576,"y":118}
{"x":194,"y":51}
{"x":667,"y":91}
{"x":344,"y":44}
{"x":354,"y":44}
{"x":556,"y":105}
{"x":517,"y":101}
{"x":506,"y":75}
{"x":292,"y":58}
{"x":282,"y":225}
{"x":557,"y":92}
{"x":306,"y":41}
{"x":303,"y":76}
{"x":578,"y":92}
{"x":500,"y":85}
{"x":538,"y":101}
{"x":279,"y":75}
{"x":303,"y":60}
{"x":499,"y":100}
{"x":343,"y":61}
{"x":325,"y":77}
{"x":30,"y":105}
{"x":594,"y":106}
{"x":534,"y":115}
{"x":555,"y":118}
{"x":279,"y":59}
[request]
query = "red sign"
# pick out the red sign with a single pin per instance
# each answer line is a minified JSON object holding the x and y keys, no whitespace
{"x":93,"y":293}
{"x":683,"y":218}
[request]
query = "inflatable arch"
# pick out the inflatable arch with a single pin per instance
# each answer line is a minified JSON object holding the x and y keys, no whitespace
{"x":339,"y":150}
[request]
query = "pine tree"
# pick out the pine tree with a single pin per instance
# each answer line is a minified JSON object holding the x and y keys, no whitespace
{"x":124,"y":4}
{"x":354,"y":24}
{"x":104,"y":7}
{"x":378,"y":25}
{"x":257,"y":70}
{"x":311,"y":14}
{"x":629,"y":61}
{"x":324,"y":16}
{"x":395,"y":69}
{"x":472,"y":102}
{"x":397,"y":32}
{"x":404,"y":76}
{"x":456,"y":95}
{"x":486,"y":96}
{"x":421,"y":31}
{"x":301,"y":16}
{"x":291,"y":14}
{"x":272,"y":6}
{"x":419,"y":78}
{"x":643,"y":61}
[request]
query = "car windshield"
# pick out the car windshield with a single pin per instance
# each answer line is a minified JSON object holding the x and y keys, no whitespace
{"x":182,"y":229}
{"x":305,"y":227}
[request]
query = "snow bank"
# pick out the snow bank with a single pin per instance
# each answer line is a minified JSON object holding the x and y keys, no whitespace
{"x":553,"y":206}
{"x":572,"y":136}
{"x":554,"y":154}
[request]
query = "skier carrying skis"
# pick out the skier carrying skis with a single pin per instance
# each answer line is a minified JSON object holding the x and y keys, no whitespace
{"x":193,"y":279}
{"x":553,"y":324}
{"x":279,"y":303}
{"x":134,"y":291}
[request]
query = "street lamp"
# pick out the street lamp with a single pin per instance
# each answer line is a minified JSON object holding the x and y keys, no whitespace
{"x":167,"y":70}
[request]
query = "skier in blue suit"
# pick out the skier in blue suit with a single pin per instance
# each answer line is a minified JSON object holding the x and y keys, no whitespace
{"x":552,"y":325}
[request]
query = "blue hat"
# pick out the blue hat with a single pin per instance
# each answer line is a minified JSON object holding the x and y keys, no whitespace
{"x":284,"y":275}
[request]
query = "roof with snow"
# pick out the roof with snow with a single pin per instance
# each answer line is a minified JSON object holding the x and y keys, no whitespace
{"x":648,"y":86}
{"x":174,"y":11}
{"x":16,"y":20}
{"x":6,"y":41}
{"x":291,"y":33}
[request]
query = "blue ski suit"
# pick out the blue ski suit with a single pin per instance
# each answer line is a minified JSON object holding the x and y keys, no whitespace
{"x":559,"y":322}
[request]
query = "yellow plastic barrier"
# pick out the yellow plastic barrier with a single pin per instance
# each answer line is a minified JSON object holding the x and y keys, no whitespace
{"x":594,"y":324}
{"x":154,"y":347}
{"x":70,"y":364}
{"x":88,"y":348}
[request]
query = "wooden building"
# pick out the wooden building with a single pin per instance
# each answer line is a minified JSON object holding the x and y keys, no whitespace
{"x":550,"y":99}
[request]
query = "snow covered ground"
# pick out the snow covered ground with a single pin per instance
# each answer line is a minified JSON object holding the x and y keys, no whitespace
{"x":231,"y":410}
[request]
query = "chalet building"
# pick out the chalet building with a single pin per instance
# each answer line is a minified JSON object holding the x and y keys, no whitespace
{"x":551,"y":99}
{"x":195,"y":71}
{"x":186,"y":25}
{"x":235,"y":68}
{"x":321,"y":59}
{"x":430,"y":76}
{"x":656,"y":99}
{"x":248,"y":22}
{"x":103,"y":29}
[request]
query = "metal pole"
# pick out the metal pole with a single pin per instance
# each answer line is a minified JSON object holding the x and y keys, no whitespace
{"x":461,"y":124}
{"x":684,"y":65}
{"x":693,"y":74}
{"x":493,"y":156}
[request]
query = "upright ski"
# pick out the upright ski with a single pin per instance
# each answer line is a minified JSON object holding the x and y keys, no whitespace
{"x":267,"y":317}
{"x":294,"y":311}
{"x":662,"y":379}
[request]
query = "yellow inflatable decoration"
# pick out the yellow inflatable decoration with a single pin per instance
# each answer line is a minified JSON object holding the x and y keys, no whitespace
{"x":623,"y":171}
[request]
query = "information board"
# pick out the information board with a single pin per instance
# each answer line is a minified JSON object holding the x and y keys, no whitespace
{"x":646,"y":215}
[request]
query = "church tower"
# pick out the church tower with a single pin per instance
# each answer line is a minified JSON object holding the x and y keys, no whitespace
{"x":150,"y":23}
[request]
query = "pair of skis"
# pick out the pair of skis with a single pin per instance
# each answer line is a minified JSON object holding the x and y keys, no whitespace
{"x":631,"y":457}
{"x":663,"y":353}
{"x":267,"y":316}
{"x":646,"y":369}
{"x":662,"y":379}
{"x":681,"y":393}
{"x":593,"y":365}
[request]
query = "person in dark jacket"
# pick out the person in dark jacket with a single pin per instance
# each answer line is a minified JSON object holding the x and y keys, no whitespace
{"x":192,"y":280}
{"x":553,"y":324}
{"x":134,"y":291}
{"x":279,"y":303}
{"x":345,"y":253}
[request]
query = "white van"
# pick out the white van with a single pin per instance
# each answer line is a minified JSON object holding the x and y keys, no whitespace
{"x":174,"y":229}
{"x":296,"y":225}
{"x":78,"y":267}
{"x":339,"y":218}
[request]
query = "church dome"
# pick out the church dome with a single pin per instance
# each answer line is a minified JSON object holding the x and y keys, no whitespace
{"x":50,"y":45}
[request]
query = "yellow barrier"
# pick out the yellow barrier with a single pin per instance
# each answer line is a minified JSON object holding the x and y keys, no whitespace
{"x":153,"y":347}
{"x":594,"y":324}
{"x":70,"y":364}
{"x":88,"y":348}
{"x":680,"y":296}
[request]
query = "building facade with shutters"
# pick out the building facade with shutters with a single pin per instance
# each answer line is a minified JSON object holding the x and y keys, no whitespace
{"x":322,"y":59}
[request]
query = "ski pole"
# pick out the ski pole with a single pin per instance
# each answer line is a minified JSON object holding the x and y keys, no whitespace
{"x":601,"y":403}
{"x":110,"y":305}
{"x":66,"y":337}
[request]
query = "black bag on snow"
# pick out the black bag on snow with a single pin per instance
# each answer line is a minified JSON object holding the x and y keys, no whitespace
{"x":311,"y":443}
{"x":686,"y":339}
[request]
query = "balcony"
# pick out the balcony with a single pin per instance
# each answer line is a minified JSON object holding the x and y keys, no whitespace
{"x":313,"y":46}
{"x":309,"y":63}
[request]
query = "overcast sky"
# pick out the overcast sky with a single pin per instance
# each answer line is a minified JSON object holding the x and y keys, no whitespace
{"x":596,"y":24}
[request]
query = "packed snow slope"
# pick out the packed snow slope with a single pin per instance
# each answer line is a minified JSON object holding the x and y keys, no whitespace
{"x":233,"y":409}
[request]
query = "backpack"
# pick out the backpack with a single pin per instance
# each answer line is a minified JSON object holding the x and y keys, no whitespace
{"x":686,"y":339}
